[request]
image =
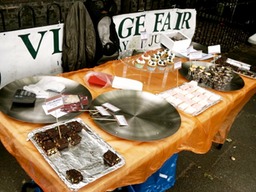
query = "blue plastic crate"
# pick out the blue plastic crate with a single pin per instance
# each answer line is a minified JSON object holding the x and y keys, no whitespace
{"x":161,"y":180}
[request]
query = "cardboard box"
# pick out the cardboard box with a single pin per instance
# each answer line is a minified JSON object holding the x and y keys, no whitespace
{"x":176,"y":41}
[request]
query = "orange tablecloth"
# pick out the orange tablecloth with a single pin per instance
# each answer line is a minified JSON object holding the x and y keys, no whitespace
{"x":142,"y":158}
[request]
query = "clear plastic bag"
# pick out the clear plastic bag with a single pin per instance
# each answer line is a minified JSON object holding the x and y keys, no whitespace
{"x":98,"y":79}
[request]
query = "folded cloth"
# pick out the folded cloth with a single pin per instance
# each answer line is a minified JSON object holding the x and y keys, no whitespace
{"x":44,"y":85}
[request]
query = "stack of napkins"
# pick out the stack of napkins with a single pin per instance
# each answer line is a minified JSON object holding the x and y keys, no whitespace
{"x":42,"y":87}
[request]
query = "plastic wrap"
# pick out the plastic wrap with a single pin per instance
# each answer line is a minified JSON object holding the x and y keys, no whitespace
{"x":98,"y":79}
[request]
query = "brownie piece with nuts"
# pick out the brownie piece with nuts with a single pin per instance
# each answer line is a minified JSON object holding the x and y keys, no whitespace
{"x":61,"y":143}
{"x":111,"y":158}
{"x":74,"y":176}
{"x":75,"y":139}
{"x":49,"y":147}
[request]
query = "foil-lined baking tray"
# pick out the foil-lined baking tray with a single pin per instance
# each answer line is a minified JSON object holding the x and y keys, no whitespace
{"x":86,"y":157}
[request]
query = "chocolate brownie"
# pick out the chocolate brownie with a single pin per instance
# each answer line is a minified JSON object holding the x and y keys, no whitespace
{"x":111,"y":158}
{"x":75,"y":139}
{"x":61,"y":143}
{"x":75,"y":126}
{"x":41,"y":137}
{"x":74,"y":176}
{"x":53,"y":133}
{"x":49,"y":147}
{"x":64,"y":129}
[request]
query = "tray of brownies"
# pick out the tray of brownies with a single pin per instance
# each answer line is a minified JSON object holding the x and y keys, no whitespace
{"x":77,"y":154}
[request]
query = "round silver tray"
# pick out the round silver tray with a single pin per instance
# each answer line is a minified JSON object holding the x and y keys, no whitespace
{"x":36,"y":114}
{"x":149,"y":117}
{"x":236,"y":83}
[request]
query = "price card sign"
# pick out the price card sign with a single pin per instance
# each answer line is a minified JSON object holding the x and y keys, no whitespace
{"x":177,"y":65}
{"x":214,"y":49}
{"x":144,"y":35}
{"x":195,"y":55}
{"x":54,"y":103}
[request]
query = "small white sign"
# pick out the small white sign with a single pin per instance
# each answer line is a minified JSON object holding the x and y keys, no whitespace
{"x":102,"y":111}
{"x":195,"y":55}
{"x":111,"y":107}
{"x":143,"y":35}
{"x":54,"y":103}
{"x":121,"y":120}
{"x":214,"y":49}
{"x":177,"y":65}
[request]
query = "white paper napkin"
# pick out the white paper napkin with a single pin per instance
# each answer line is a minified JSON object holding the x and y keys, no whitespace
{"x":127,"y":84}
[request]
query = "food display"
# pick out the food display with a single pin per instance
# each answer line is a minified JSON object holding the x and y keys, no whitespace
{"x":75,"y":152}
{"x":238,"y":67}
{"x":191,"y":98}
{"x":213,"y":76}
{"x":157,"y":62}
{"x":24,"y":107}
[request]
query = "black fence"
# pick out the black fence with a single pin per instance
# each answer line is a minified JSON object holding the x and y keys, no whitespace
{"x":227,"y":22}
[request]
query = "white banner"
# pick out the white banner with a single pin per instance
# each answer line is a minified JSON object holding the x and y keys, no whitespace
{"x":141,"y":30}
{"x":28,"y":52}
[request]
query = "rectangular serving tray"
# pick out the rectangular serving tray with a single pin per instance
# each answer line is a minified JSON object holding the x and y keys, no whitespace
{"x":86,"y":157}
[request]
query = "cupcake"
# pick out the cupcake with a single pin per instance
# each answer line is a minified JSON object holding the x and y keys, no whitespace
{"x":169,"y":61}
{"x":151,"y":65}
{"x":146,"y":57}
{"x":161,"y":65}
{"x":139,"y":63}
{"x":156,"y":57}
{"x":160,"y":53}
{"x":166,"y":53}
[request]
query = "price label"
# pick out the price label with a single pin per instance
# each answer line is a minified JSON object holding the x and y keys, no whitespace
{"x":143,"y":35}
{"x":214,"y":49}
{"x":111,"y":107}
{"x":177,"y":65}
{"x":121,"y":120}
{"x":53,"y":103}
{"x":102,"y":111}
{"x":195,"y":55}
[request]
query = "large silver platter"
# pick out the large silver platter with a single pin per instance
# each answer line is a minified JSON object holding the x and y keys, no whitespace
{"x":149,"y":117}
{"x":236,"y":83}
{"x":36,"y":114}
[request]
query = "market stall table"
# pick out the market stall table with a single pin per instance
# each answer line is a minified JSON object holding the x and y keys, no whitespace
{"x":195,"y":134}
